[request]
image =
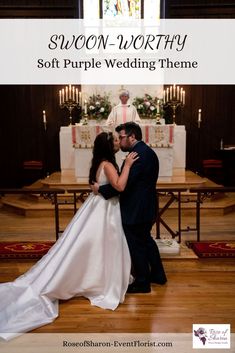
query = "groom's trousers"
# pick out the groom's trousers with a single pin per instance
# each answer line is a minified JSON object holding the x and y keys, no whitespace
{"x":144,"y":252}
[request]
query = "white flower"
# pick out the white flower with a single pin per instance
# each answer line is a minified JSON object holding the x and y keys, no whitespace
{"x":91,"y":107}
{"x":152,"y":108}
{"x":102,"y":110}
{"x":140,"y":106}
{"x":147,"y":103}
{"x":97,"y":103}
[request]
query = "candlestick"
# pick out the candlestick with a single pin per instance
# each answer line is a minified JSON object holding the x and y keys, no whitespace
{"x":68,"y":98}
{"x":174,"y":97}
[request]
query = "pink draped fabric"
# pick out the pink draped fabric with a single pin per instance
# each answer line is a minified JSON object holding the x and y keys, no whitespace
{"x":124,"y":113}
{"x":146,"y":134}
{"x":74,"y":140}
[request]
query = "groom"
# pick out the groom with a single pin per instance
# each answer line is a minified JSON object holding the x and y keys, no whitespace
{"x":138,"y":209}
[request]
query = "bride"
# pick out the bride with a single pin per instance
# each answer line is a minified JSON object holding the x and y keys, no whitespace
{"x":91,"y":258}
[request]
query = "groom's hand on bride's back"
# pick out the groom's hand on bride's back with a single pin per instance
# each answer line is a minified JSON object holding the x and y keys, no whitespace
{"x":95,"y":187}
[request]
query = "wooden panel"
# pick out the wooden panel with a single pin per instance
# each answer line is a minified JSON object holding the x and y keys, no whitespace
{"x":39,"y":9}
{"x":217,"y":121}
{"x":200,"y":9}
{"x":23,"y":135}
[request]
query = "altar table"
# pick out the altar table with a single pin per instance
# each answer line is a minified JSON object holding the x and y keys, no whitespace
{"x":76,"y":143}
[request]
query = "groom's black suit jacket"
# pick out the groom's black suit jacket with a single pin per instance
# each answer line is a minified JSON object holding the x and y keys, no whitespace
{"x":138,"y":200}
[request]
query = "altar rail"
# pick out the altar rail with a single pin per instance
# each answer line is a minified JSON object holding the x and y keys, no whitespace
{"x":47,"y":193}
{"x":174,"y":193}
{"x":203,"y":193}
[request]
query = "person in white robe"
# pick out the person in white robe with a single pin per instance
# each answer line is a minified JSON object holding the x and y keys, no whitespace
{"x":123,"y":112}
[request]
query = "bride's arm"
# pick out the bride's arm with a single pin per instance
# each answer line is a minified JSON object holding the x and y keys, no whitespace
{"x":119,"y":182}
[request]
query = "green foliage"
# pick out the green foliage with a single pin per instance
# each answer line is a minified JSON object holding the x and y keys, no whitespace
{"x":148,"y":107}
{"x":98,"y":107}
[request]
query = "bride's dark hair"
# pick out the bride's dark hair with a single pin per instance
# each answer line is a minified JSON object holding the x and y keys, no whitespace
{"x":103,"y":151}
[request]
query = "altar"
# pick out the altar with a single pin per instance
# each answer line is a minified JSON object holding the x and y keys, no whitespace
{"x":76,"y":143}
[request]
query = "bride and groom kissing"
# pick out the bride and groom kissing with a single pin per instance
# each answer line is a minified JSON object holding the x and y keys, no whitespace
{"x":107,"y":238}
{"x":138,"y":208}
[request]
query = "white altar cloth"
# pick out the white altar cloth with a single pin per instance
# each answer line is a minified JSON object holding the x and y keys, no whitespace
{"x":76,"y":142}
{"x":154,"y":135}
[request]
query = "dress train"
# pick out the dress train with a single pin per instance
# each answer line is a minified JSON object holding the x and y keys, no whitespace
{"x":91,"y":259}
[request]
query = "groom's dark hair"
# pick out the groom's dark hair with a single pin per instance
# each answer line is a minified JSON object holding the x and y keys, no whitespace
{"x":131,"y":128}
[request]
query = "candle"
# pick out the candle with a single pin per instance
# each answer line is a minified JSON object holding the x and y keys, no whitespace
{"x":158,"y":106}
{"x":183,"y":97}
{"x":73,"y":93}
{"x":167,"y":94}
{"x":66,"y":94}
{"x":171,"y":93}
{"x":70,"y":92}
{"x":85,"y":107}
{"x":181,"y":94}
{"x":60,"y":97}
{"x":199,"y":119}
{"x":174,"y":91}
{"x":76,"y":95}
{"x":80,"y":98}
{"x":178,"y":93}
{"x":44,"y":116}
{"x":164,"y":96}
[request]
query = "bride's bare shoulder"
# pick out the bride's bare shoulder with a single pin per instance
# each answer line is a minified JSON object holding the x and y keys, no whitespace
{"x":110,"y":171}
{"x":108,"y":167}
{"x":107,"y":164}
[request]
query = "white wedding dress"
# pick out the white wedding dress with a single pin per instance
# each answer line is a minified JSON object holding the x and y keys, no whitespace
{"x":91,"y":259}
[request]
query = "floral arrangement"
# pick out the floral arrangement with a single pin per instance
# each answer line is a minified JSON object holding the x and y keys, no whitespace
{"x":148,"y":107}
{"x":98,"y":107}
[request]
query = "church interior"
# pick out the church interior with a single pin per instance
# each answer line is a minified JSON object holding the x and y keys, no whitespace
{"x":40,"y":148}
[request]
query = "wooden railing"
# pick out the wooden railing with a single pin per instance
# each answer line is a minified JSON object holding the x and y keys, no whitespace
{"x":195,"y":195}
{"x":203,"y":193}
{"x":47,"y":193}
{"x":174,"y":193}
{"x":175,"y":196}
